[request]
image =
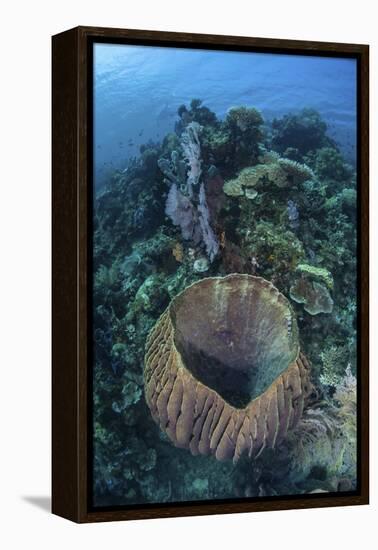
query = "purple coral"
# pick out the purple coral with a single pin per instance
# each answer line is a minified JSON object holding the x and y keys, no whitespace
{"x":192,"y":154}
{"x":293,"y":214}
{"x":187,"y":207}
{"x":180,"y":210}
{"x":208,"y":235}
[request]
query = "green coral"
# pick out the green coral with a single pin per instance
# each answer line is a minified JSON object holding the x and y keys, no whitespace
{"x":241,"y":185}
{"x":273,"y":169}
{"x":140,"y":264}
{"x":131,"y":393}
{"x":245,"y":119}
{"x":217,"y":147}
{"x":334,"y":360}
{"x":197,"y":112}
{"x":149,"y":296}
{"x":276,"y":250}
{"x":329,"y":164}
{"x":305,"y":131}
{"x":317,"y":273}
{"x":349,"y":197}
{"x":314,"y":296}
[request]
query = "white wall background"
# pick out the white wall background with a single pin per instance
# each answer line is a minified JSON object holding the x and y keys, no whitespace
{"x":25,"y":273}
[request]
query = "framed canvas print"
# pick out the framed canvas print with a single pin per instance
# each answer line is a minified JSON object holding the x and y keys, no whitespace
{"x":210,"y":274}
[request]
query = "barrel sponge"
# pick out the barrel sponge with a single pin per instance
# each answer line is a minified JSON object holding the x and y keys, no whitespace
{"x":224,"y":374}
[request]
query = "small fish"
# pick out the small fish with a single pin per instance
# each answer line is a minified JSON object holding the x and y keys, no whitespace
{"x":141,"y":132}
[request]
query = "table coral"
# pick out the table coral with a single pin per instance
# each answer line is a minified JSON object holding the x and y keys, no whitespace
{"x":282,"y":172}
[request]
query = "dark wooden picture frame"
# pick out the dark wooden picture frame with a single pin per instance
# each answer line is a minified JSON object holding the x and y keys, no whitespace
{"x":71,"y":235}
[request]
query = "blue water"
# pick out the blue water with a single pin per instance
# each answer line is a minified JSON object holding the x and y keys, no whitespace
{"x":137,"y":90}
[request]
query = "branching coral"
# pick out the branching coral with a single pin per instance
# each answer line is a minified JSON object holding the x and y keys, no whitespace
{"x":330,"y":359}
{"x":346,"y":394}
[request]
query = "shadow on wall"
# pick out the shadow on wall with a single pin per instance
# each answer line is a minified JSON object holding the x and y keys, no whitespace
{"x":41,"y":502}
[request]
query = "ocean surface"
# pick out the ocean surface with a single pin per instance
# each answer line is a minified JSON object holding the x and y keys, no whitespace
{"x":138,"y":89}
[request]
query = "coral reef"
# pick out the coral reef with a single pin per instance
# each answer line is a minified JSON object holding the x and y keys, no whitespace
{"x":163,"y":223}
{"x":214,"y":381}
{"x":334,"y":360}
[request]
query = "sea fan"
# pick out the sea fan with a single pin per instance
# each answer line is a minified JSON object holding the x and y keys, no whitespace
{"x":180,"y":210}
{"x":208,"y":235}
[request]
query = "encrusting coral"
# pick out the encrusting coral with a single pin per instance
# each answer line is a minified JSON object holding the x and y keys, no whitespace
{"x":223,"y":371}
